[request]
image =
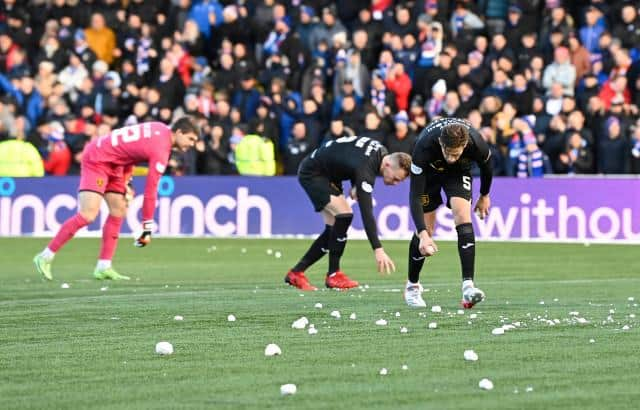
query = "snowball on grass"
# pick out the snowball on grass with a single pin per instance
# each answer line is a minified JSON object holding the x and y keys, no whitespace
{"x":300,"y":323}
{"x":272,"y":349}
{"x":164,"y":348}
{"x":470,"y":355}
{"x":485,"y":384}
{"x":288,"y":389}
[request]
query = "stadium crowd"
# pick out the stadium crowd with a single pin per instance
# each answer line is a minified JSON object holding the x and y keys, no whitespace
{"x":553,"y":86}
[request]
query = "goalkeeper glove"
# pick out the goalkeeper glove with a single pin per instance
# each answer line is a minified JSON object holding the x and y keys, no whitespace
{"x":143,"y":238}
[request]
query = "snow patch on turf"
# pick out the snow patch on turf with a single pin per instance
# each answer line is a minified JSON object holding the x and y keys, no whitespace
{"x":288,"y":389}
{"x":164,"y":348}
{"x":470,"y":355}
{"x":272,"y":349}
{"x":485,"y":384}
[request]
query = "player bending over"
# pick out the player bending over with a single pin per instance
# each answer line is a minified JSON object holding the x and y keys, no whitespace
{"x":106,"y":163}
{"x":442,"y":161}
{"x":360,"y":160}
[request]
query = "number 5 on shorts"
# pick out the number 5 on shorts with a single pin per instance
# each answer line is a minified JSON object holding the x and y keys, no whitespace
{"x":466,"y":182}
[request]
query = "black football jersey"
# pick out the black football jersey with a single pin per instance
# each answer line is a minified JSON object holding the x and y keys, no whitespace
{"x":358,"y":160}
{"x":428,"y":158}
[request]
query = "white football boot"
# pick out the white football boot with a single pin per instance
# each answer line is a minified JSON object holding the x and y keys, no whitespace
{"x":470,"y":295}
{"x":413,"y":295}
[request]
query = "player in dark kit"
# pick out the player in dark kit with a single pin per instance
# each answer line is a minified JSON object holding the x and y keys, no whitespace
{"x":442,"y":159}
{"x":359,"y":160}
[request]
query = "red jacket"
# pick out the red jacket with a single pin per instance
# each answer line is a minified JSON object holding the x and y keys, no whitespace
{"x":607,"y":95}
{"x":59,"y":159}
{"x":401,"y":86}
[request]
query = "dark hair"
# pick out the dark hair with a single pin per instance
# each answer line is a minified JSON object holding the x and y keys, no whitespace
{"x":454,"y":136}
{"x":185,"y":125}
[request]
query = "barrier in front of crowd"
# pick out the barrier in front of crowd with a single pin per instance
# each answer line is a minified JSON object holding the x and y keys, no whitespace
{"x":564,"y":210}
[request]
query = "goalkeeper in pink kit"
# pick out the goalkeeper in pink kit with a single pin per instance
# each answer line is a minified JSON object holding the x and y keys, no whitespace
{"x":106,"y":165}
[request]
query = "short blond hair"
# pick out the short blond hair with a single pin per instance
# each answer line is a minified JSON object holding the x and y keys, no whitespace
{"x":401,"y":160}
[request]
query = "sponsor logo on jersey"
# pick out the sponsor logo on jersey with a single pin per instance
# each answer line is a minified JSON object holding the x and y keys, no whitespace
{"x":416,"y":170}
{"x":366,"y":187}
{"x":438,"y":165}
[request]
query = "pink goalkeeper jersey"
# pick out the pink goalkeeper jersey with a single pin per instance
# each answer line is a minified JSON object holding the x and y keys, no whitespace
{"x":148,"y":142}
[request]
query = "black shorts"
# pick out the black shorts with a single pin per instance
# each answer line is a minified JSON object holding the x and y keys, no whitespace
{"x":317,"y":186}
{"x":457,"y":184}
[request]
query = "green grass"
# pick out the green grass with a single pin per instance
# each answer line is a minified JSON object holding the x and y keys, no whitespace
{"x":86,"y":348}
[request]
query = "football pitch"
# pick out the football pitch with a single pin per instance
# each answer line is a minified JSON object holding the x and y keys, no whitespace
{"x":575,"y":340}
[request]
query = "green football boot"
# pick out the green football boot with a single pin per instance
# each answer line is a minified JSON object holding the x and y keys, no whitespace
{"x":108,"y":274}
{"x":43,"y":265}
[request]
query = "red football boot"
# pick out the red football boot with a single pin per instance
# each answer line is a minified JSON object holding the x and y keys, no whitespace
{"x":340,"y":281}
{"x":298,"y":280}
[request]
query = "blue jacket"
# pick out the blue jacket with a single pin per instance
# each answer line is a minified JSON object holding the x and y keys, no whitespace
{"x":247,"y":102}
{"x":31,"y":105}
{"x":200,"y":13}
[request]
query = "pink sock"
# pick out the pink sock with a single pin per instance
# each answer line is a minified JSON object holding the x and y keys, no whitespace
{"x":110,"y":233}
{"x":67,"y":231}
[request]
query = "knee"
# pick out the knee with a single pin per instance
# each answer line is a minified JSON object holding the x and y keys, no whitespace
{"x":118,"y":211}
{"x":461,"y":217}
{"x":89,"y":215}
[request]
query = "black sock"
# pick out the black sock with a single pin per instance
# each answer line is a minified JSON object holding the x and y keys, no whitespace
{"x":466,"y":249}
{"x":316,"y":251}
{"x":338,"y":240}
{"x":416,"y":260}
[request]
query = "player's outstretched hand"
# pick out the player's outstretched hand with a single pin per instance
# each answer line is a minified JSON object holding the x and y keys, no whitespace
{"x":427,"y":245}
{"x":482,"y":206}
{"x":143,"y":238}
{"x":384,"y":262}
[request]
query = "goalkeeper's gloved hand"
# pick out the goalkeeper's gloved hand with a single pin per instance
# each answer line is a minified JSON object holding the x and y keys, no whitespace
{"x":143,"y":238}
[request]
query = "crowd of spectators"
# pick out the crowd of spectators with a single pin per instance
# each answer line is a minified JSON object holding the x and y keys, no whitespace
{"x":553,"y":86}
